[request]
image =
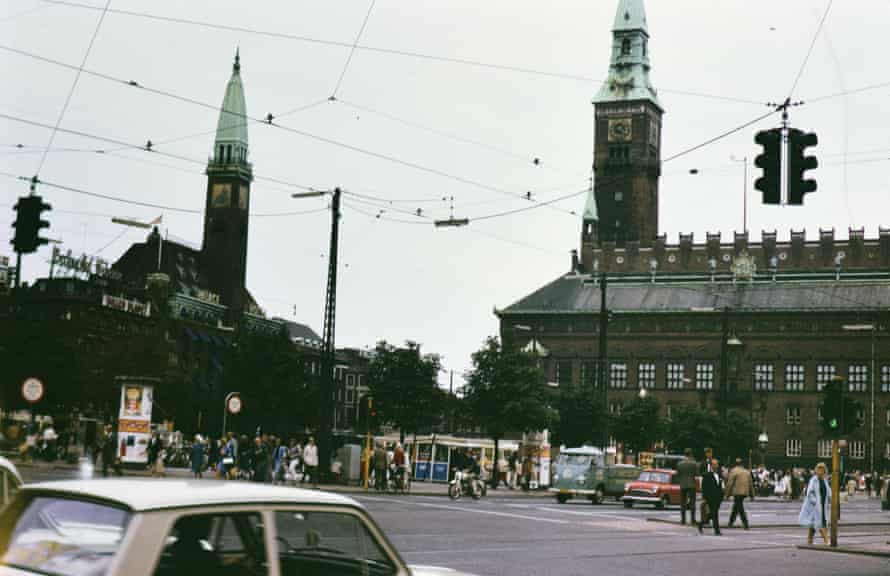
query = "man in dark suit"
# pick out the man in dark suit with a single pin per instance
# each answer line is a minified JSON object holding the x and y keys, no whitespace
{"x":712,"y":492}
{"x":686,"y":472}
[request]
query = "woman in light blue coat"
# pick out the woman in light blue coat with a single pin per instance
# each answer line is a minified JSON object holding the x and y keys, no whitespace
{"x":814,"y":514}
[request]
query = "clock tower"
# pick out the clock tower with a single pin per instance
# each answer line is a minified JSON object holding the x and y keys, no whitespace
{"x":623,"y":202}
{"x":227,"y":205}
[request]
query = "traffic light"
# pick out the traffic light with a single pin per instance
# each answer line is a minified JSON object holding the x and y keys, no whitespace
{"x":832,"y":407}
{"x":28,"y":224}
{"x":798,"y":163}
{"x":770,"y":161}
{"x":850,"y":419}
{"x":367,"y":414}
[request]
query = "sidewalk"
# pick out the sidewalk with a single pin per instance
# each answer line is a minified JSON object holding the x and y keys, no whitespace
{"x":878,"y":550}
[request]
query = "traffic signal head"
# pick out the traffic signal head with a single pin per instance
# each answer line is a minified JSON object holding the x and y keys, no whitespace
{"x":832,"y":407}
{"x":770,"y":161}
{"x":798,"y":163}
{"x":28,"y":224}
{"x":850,"y":419}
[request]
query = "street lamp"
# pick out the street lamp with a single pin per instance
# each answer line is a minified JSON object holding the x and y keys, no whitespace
{"x":872,"y":328}
{"x":763,"y":441}
{"x":744,"y":191}
{"x":643,"y":393}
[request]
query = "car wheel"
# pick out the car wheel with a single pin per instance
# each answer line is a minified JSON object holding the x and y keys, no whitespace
{"x":663,"y":503}
{"x":562,"y":498}
{"x":628,"y":504}
{"x":598,"y":495}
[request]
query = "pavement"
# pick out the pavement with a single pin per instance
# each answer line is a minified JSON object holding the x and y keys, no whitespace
{"x":513,"y":534}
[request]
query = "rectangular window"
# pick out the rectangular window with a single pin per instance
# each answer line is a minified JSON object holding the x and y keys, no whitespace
{"x":669,"y":412}
{"x":793,"y":448}
{"x":350,"y":380}
{"x":564,"y":372}
{"x":887,"y":450}
{"x":824,"y":448}
{"x":704,"y":376}
{"x":590,"y":374}
{"x":618,"y":376}
{"x":819,"y":414}
{"x":795,"y":377}
{"x":764,"y":377}
{"x":646,"y":375}
{"x":676,"y":373}
{"x":887,"y":415}
{"x":792,"y":415}
{"x":824,"y":374}
{"x":857,"y":378}
{"x":857,"y":449}
{"x":885,"y":378}
{"x":860,"y":416}
{"x":615,"y":408}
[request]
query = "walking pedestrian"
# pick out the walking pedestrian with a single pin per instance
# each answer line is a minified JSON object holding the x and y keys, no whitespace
{"x":379,"y":461}
{"x":279,"y":462}
{"x":260,"y":460}
{"x":197,"y":457}
{"x":712,"y":493}
{"x":739,"y":486}
{"x":686,"y":470}
{"x":513,"y":467}
{"x":814,"y":512}
{"x":310,"y":461}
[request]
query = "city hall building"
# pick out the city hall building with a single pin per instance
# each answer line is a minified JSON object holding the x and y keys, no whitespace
{"x":723,"y":323}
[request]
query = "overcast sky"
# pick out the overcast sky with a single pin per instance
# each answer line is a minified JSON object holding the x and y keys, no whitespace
{"x":475,"y":129}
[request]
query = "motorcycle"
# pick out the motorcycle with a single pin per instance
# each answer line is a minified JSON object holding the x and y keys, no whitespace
{"x":465,"y":483}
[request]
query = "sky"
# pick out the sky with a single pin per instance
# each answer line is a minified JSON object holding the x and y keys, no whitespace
{"x":441,"y":104}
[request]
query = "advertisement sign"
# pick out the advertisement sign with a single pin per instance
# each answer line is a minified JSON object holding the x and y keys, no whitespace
{"x":32,"y":390}
{"x":134,"y":422}
{"x":124,"y":305}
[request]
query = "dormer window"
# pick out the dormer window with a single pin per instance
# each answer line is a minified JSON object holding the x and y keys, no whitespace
{"x":625,"y":47}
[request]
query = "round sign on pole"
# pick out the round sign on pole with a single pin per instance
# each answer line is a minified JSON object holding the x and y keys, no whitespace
{"x":32,"y":390}
{"x":233,"y":404}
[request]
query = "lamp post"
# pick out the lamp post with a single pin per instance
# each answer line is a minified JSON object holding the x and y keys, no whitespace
{"x":325,"y":433}
{"x":763,"y":441}
{"x":744,"y":191}
{"x":872,"y":329}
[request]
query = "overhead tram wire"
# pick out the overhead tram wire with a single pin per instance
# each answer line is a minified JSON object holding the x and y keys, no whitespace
{"x":83,"y":63}
{"x":352,"y":50}
{"x":387,"y":51}
{"x":806,"y":60}
{"x":268,"y":122}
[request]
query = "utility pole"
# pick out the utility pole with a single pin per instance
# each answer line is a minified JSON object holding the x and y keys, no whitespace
{"x":724,"y":363}
{"x":835,"y":489}
{"x":603,"y":352}
{"x":325,"y":436}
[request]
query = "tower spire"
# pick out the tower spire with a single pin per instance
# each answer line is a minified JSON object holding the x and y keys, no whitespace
{"x":231,"y":143}
{"x":237,"y":66}
{"x":628,"y":77}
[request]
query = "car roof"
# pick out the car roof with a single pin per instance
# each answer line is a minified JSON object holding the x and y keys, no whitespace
{"x":156,"y":494}
{"x":660,"y":470}
{"x":583,"y":450}
{"x":10,"y":467}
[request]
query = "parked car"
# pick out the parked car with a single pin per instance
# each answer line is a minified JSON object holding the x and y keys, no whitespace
{"x":581,"y":473}
{"x":10,"y":482}
{"x":172,"y":527}
{"x":654,"y":486}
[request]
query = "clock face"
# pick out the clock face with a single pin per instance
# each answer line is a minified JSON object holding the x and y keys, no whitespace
{"x":620,"y":130}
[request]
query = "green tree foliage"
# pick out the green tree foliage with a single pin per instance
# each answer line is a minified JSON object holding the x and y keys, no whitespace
{"x":403,"y":383}
{"x":638,"y":426}
{"x":696,"y":428}
{"x":582,"y":417}
{"x":506,"y":392}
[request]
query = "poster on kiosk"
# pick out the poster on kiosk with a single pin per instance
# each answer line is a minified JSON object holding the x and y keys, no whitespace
{"x":134,"y":422}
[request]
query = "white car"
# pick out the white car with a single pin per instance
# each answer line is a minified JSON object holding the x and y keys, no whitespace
{"x":10,"y":481}
{"x":178,"y":527}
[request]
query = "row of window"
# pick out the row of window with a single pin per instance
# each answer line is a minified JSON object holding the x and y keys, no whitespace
{"x":763,"y":376}
{"x":794,"y":449}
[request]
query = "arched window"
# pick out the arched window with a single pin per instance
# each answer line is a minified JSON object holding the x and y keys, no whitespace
{"x":625,"y":47}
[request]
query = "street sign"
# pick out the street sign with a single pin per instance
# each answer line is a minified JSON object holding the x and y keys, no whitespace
{"x":32,"y":390}
{"x":233,"y":404}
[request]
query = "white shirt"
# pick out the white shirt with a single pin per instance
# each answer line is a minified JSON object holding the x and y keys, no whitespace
{"x":310,"y":455}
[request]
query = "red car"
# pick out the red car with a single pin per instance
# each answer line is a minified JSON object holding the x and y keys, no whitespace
{"x":654,"y":486}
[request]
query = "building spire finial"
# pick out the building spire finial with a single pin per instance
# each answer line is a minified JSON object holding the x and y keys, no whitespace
{"x":237,"y":66}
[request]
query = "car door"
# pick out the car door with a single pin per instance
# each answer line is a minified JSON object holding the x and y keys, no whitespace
{"x":9,"y":487}
{"x":674,"y":489}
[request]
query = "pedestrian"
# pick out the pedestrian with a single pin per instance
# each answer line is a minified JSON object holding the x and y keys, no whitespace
{"x":399,"y":466}
{"x":868,"y":483}
{"x":814,"y":511}
{"x":197,"y":457}
{"x":310,"y":461}
{"x":109,"y":456}
{"x":851,"y":486}
{"x":260,"y":460}
{"x":738,"y":487}
{"x":158,"y":468}
{"x":712,"y":493}
{"x":513,"y":469}
{"x":244,"y":458}
{"x":279,"y":462}
{"x":706,"y":463}
{"x":379,"y":461}
{"x":154,"y":447}
{"x":686,"y":470}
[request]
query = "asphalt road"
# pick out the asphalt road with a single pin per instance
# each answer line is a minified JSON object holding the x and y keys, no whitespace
{"x":536,"y":536}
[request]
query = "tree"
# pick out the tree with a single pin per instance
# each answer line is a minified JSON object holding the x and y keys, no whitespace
{"x":404,"y":385}
{"x":638,"y":426}
{"x":506,"y":392}
{"x":696,"y":428}
{"x":582,"y":417}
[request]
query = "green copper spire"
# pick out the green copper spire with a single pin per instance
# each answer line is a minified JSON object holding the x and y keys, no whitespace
{"x":231,"y":131}
{"x":629,"y":68}
{"x":590,"y":211}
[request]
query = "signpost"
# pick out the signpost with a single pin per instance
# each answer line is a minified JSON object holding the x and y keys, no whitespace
{"x":233,"y":406}
{"x":134,"y":419}
{"x":33,"y":390}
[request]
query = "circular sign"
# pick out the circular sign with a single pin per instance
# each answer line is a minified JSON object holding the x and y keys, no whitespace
{"x":32,"y":390}
{"x":233,"y":404}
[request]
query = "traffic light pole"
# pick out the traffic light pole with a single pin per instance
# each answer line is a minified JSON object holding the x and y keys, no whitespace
{"x":18,"y":269}
{"x":835,"y":489}
{"x":603,"y":353}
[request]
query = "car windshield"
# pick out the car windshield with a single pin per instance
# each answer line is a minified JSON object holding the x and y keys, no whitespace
{"x":574,"y":460}
{"x":656,"y":477}
{"x":61,"y":536}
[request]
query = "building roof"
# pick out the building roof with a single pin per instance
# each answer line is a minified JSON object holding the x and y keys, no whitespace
{"x":575,"y":294}
{"x":144,"y":495}
{"x":301,"y":333}
{"x":232,"y":126}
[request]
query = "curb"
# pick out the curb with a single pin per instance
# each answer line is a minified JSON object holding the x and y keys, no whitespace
{"x":843,"y":550}
{"x":767,"y":526}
